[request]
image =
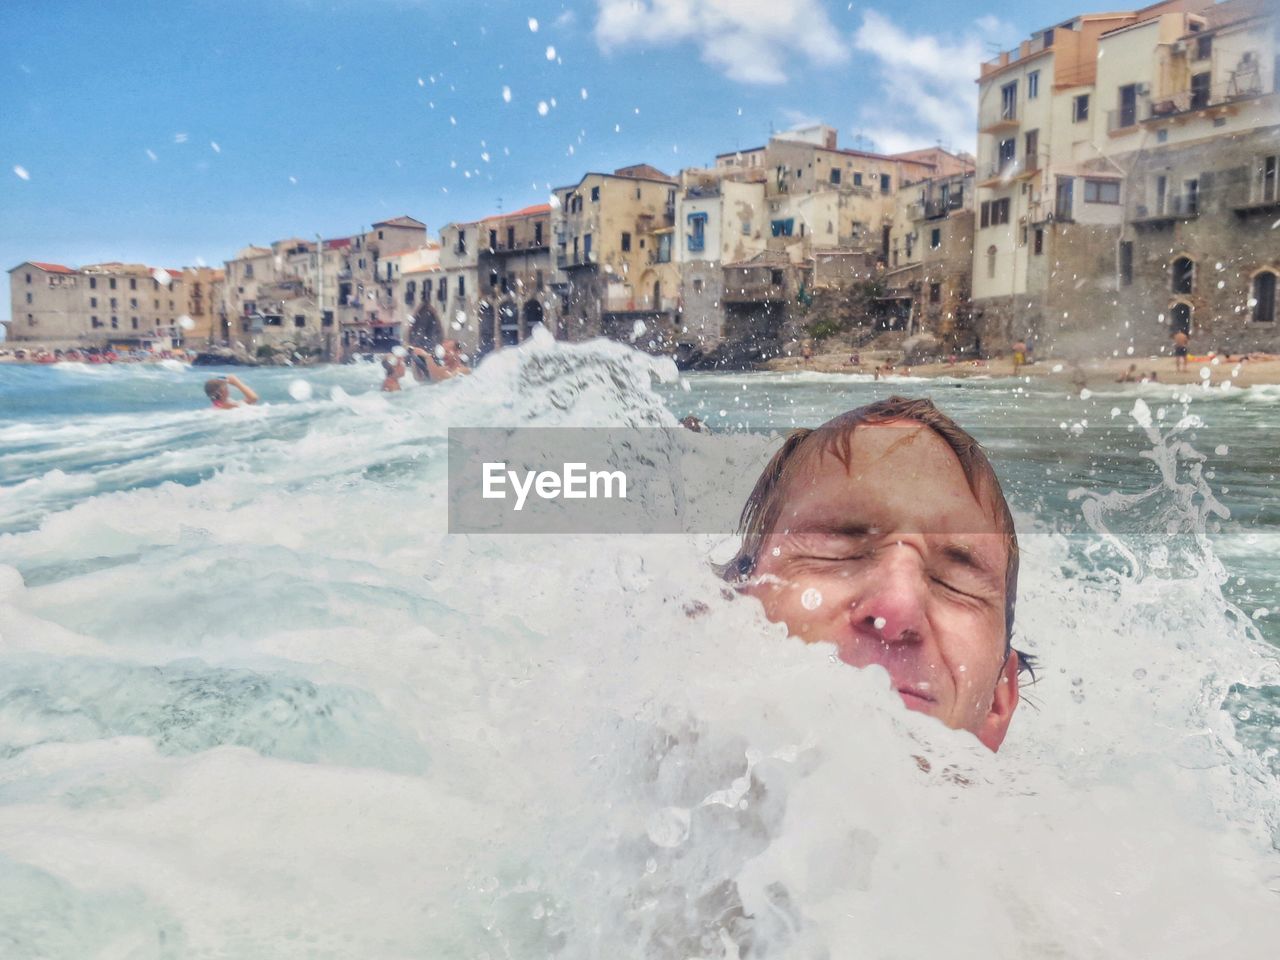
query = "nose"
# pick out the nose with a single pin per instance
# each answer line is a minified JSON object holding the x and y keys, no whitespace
{"x":892,"y":608}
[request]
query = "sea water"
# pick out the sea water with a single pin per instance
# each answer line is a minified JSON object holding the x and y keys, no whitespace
{"x":255,"y":701}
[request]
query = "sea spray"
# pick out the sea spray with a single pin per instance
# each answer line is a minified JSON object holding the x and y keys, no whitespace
{"x":279,"y":711}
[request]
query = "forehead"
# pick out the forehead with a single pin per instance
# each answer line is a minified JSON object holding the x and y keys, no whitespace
{"x":902,"y":476}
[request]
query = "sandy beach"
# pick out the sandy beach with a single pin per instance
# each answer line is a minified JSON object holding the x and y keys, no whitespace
{"x":1200,"y":369}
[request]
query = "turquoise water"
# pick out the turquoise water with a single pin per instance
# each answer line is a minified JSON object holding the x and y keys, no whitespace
{"x":254,"y":701}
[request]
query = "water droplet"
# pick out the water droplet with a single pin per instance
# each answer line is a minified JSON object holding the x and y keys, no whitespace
{"x":1222,"y":449}
{"x":533,"y":24}
{"x":879,"y":623}
{"x":551,"y":53}
{"x":21,"y":172}
{"x":777,"y":551}
{"x":669,"y":827}
{"x":811,"y":599}
{"x":542,"y":108}
{"x":300,"y":390}
{"x":506,"y":94}
{"x":1140,"y":673}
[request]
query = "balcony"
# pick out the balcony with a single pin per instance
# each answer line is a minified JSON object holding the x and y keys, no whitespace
{"x":1125,"y":119}
{"x":1217,"y":98}
{"x":998,"y":122}
{"x":1003,"y":172}
{"x":1185,"y":206}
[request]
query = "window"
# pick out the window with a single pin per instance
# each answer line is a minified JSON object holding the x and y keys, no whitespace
{"x":1126,"y":263}
{"x":537,"y":234}
{"x":909,"y":241}
{"x":1007,"y":152}
{"x":626,"y":242}
{"x":1009,"y":101}
{"x":461,"y":246}
{"x":1265,"y":179}
{"x":96,"y":322}
{"x":93,"y":301}
{"x":1204,"y":47}
{"x":935,"y":238}
{"x":835,"y":175}
{"x":1080,"y":108}
{"x":1183,"y":275}
{"x":410,"y":292}
{"x":158,"y":304}
{"x":113,"y":303}
{"x":885,"y":183}
{"x":133,"y":322}
{"x":991,"y":262}
{"x":1102,"y":191}
{"x":595,"y":194}
{"x":1191,"y":197}
{"x":1200,"y":90}
{"x":775,"y":278}
{"x":442,"y":291}
{"x":782,"y":228}
{"x":327,"y":319}
{"x":857,"y":179}
{"x":28,"y":298}
{"x":28,"y":278}
{"x":1031,"y":151}
{"x":1127,"y":114}
{"x":299,"y":320}
{"x":1181,"y":318}
{"x":1063,"y":198}
{"x":115,"y":323}
{"x":746,"y":228}
{"x":133,"y":283}
{"x":1264,"y":297}
{"x":93,"y":283}
{"x":155,"y":284}
{"x":935,"y":293}
{"x":1038,"y":241}
{"x":995,"y":212}
{"x":511,"y":238}
{"x":1033,"y":84}
{"x":112,"y":281}
{"x":697,"y":285}
{"x":538,"y":280}
{"x":1048,"y":38}
{"x":462,"y":286}
{"x":133,"y":303}
{"x":586,"y":246}
{"x":493,"y":279}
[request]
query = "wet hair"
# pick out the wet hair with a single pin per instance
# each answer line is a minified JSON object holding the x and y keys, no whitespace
{"x":763,"y":509}
{"x":215,"y":389}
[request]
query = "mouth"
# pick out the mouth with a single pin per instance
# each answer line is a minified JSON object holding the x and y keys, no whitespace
{"x":916,"y":698}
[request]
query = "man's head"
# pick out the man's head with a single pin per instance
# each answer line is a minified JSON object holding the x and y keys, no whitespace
{"x":885,"y":532}
{"x":216,"y":390}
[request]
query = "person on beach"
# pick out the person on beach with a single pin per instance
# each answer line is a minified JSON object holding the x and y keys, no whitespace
{"x":1130,"y":375}
{"x":393,"y":368}
{"x":1019,"y":356}
{"x":219,"y":392}
{"x":885,"y":533}
{"x":1180,"y":344}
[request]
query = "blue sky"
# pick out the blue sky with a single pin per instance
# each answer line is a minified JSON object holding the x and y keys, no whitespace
{"x":174,"y":133}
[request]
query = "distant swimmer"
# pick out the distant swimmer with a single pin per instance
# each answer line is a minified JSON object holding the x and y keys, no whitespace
{"x":446,"y":363}
{"x":1019,"y":356}
{"x":1130,"y":375}
{"x":220,"y":395}
{"x":393,"y":367}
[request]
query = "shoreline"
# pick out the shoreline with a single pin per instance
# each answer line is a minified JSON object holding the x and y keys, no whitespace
{"x":1090,"y":373}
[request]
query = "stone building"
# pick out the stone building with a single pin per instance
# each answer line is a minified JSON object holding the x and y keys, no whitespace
{"x":613,"y":236}
{"x":458,"y":301}
{"x":928,"y":277}
{"x":122,"y":306}
{"x":1200,"y":147}
{"x":822,"y":197}
{"x":330,"y":298}
{"x":515,"y":274}
{"x":1120,"y":156}
{"x":722,"y":220}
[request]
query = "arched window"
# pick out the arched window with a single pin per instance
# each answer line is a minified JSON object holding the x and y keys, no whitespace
{"x":1180,"y":318}
{"x":1184,"y":275}
{"x":1264,"y":297}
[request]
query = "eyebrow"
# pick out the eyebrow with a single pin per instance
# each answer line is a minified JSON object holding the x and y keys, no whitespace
{"x":830,"y":527}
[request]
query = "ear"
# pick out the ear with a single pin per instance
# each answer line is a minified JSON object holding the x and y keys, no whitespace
{"x":1003,"y":702}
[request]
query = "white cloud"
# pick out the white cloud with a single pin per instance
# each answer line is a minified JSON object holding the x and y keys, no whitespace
{"x":927,"y":81}
{"x":750,"y":41}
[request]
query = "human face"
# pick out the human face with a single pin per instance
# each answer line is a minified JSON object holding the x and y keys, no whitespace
{"x":894,"y":562}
